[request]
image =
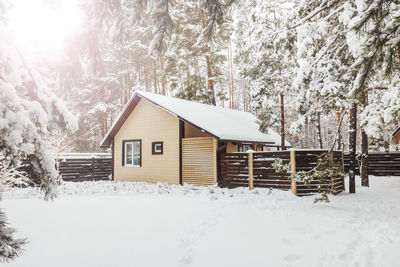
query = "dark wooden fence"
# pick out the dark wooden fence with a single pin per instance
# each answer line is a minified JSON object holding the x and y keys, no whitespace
{"x":379,"y":163}
{"x":78,"y":167}
{"x":307,"y":160}
{"x":234,"y":170}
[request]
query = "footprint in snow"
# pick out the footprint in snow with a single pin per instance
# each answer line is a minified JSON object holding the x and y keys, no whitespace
{"x":292,"y":257}
{"x":185,"y":261}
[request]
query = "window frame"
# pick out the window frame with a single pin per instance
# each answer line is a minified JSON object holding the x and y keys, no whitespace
{"x":124,"y":143}
{"x":153,"y":148}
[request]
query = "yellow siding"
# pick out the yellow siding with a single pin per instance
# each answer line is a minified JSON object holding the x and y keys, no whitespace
{"x":231,"y":148}
{"x":199,"y":160}
{"x":149,"y":123}
{"x":192,"y":131}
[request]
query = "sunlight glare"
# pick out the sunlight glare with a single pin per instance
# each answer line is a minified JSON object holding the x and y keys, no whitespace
{"x":44,"y":25}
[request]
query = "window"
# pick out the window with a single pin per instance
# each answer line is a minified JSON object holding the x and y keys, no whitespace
{"x":132,"y":153}
{"x":157,"y":148}
{"x":245,"y":148}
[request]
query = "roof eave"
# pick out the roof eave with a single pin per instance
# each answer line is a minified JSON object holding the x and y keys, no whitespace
{"x":106,"y":142}
{"x":396,"y":131}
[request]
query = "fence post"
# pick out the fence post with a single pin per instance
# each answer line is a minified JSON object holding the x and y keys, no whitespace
{"x":293,"y":169}
{"x":251,"y":178}
{"x":342,"y":161}
{"x":92,"y":168}
{"x":344,"y":178}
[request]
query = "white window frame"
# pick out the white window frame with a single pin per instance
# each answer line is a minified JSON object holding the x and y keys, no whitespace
{"x":126,"y":144}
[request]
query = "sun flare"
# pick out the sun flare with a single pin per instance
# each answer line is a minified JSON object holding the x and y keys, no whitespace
{"x":44,"y":25}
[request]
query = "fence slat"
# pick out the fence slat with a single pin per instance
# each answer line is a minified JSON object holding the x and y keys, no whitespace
{"x":85,"y":169}
{"x":379,"y":163}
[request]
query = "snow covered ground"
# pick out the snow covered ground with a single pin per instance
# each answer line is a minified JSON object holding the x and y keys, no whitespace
{"x":128,"y":224}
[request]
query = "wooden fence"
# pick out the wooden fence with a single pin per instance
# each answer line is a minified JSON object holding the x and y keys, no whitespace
{"x":255,"y":170}
{"x":379,"y":163}
{"x":78,"y":167}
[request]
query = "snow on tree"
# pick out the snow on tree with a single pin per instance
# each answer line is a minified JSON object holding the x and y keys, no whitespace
{"x":265,"y":50}
{"x":12,"y":176}
{"x":28,"y":112}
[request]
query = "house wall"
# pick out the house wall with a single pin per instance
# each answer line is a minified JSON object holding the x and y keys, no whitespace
{"x":230,"y":148}
{"x":150,"y":124}
{"x":192,"y":131}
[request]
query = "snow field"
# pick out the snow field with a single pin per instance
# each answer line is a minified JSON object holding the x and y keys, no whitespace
{"x":138,"y":224}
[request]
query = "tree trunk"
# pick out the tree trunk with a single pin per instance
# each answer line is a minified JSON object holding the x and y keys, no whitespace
{"x":396,"y":124}
{"x":319,"y":134}
{"x":231,"y":75}
{"x":352,"y":148}
{"x":163,"y":84}
{"x":146,"y":77}
{"x":139,"y":77}
{"x":155,"y":77}
{"x":229,"y":83}
{"x":210,"y":82}
{"x":364,"y":149}
{"x":244,"y":95}
{"x":104,"y":126}
{"x":282,"y":122}
{"x":222,"y":93}
{"x":339,"y":136}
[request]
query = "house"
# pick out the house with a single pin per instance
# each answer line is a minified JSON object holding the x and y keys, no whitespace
{"x":396,"y":136}
{"x":163,"y":139}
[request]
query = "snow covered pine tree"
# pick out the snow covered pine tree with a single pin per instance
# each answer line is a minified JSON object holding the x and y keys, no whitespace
{"x":28,"y":111}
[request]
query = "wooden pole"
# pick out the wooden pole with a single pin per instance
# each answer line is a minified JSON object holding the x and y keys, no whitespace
{"x":293,"y":169}
{"x":251,"y":177}
{"x":344,"y":178}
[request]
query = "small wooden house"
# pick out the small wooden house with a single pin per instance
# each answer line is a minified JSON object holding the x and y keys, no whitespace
{"x":396,"y":136}
{"x":163,"y":139}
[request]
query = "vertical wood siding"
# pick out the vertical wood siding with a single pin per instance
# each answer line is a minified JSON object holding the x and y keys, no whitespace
{"x":192,"y":131}
{"x":150,"y":124}
{"x":199,"y":162}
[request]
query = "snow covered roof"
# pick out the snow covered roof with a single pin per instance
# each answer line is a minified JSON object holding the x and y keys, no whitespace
{"x":226,"y":124}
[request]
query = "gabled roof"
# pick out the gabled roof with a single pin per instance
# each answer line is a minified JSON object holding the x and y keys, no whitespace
{"x":223,"y":123}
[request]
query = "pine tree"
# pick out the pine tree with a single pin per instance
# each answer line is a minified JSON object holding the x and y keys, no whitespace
{"x":265,"y":52}
{"x":29,"y":110}
{"x":325,"y":61}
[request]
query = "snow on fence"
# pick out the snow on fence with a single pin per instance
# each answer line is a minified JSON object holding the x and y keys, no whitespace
{"x":78,"y":167}
{"x":255,"y":170}
{"x":379,"y":163}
